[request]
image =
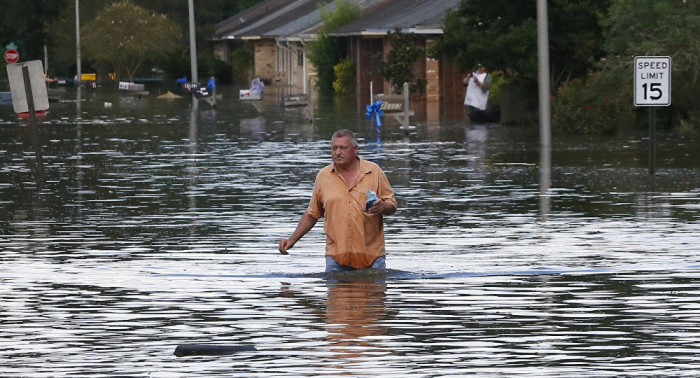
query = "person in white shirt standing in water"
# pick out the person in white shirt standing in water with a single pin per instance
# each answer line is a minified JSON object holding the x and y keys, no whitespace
{"x":478,"y":86}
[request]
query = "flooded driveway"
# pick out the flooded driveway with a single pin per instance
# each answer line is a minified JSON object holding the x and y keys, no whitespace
{"x":129,"y":227}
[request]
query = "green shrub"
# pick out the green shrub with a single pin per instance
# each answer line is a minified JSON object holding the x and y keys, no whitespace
{"x":327,"y":51}
{"x":398,"y":68}
{"x":498,"y":79}
{"x":600,"y":104}
{"x":243,"y":61}
{"x":344,"y":77}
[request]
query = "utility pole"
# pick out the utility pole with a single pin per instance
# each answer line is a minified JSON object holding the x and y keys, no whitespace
{"x":77,"y":40}
{"x":193,"y":43}
{"x":545,"y":108}
{"x":543,"y":74}
{"x":193,"y":53}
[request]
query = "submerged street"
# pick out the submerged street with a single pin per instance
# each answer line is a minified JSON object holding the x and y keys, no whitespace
{"x":129,"y":227}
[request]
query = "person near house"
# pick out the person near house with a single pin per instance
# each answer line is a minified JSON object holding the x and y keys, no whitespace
{"x":354,"y":233}
{"x":478,"y":86}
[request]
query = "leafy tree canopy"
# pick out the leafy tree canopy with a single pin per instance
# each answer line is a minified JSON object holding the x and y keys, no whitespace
{"x":60,"y":22}
{"x":502,"y":35}
{"x":654,"y":28}
{"x":658,"y":28}
{"x":398,"y":68}
{"x":327,"y":51}
{"x":124,"y":35}
{"x":22,"y":23}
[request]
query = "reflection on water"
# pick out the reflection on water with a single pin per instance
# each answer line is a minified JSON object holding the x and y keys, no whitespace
{"x":352,"y":309}
{"x":155,"y":224}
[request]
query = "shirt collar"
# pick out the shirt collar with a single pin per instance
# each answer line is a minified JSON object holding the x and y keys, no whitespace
{"x":364,"y":167}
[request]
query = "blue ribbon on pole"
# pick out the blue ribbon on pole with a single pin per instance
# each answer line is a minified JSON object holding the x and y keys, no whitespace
{"x":374,"y":112}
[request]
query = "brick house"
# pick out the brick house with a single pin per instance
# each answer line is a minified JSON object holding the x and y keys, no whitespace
{"x":368,"y":39}
{"x":279,"y":31}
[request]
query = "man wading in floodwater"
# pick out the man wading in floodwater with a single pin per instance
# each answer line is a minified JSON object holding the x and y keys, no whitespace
{"x":354,"y":234}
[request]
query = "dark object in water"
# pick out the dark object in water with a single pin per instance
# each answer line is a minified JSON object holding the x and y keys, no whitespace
{"x":486,"y":116}
{"x":210,"y":350}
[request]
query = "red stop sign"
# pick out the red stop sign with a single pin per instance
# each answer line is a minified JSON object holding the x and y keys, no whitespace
{"x":11,"y":56}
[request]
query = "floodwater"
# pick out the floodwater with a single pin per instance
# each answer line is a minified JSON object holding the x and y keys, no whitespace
{"x":129,"y":227}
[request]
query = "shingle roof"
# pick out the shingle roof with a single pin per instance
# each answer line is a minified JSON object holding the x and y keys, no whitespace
{"x":411,"y":15}
{"x":278,"y":19}
{"x":253,"y":13}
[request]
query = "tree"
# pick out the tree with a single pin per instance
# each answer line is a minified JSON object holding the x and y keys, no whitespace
{"x":658,"y":28}
{"x":23,"y":23}
{"x":61,"y":35}
{"x":61,"y":30}
{"x":398,"y":68}
{"x":326,"y":51}
{"x":502,"y":35}
{"x":123,"y":35}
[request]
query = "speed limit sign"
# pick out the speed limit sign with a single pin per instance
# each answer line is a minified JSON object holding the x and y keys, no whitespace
{"x":652,"y":81}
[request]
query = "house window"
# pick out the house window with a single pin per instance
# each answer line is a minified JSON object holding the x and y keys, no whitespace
{"x":300,"y":57}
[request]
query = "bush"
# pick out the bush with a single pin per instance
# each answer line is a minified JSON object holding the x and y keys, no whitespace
{"x":243,"y":61}
{"x":398,"y":68}
{"x":328,"y":51}
{"x":600,"y":104}
{"x":345,"y":77}
{"x":498,"y":79}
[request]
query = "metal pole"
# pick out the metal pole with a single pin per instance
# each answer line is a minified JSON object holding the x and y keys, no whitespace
{"x":193,"y":44}
{"x":545,"y":181}
{"x":652,"y":137}
{"x":543,"y":73}
{"x":39,"y":162}
{"x":77,"y":40}
{"x":46,"y":60}
{"x":30,"y":97}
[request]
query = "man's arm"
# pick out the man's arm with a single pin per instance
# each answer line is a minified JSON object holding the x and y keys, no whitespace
{"x":305,"y":225}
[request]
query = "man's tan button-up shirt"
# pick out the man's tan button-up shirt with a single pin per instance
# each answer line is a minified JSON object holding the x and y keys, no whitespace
{"x":353,"y":236}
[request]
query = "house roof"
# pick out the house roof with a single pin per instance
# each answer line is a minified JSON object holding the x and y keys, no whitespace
{"x":417,"y":16}
{"x":252,"y":13}
{"x":280,"y":19}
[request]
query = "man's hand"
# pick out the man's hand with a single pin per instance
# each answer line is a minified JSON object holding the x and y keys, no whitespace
{"x":285,"y":244}
{"x":305,"y":225}
{"x":381,"y":207}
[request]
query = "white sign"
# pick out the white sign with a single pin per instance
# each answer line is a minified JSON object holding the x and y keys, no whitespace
{"x":37,"y":82}
{"x":123,"y":85}
{"x":652,"y":81}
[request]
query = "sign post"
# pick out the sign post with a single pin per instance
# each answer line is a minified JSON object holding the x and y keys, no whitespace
{"x":652,"y":87}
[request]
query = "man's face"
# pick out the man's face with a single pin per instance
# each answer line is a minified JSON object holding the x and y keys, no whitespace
{"x":343,"y":151}
{"x":481,"y":70}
